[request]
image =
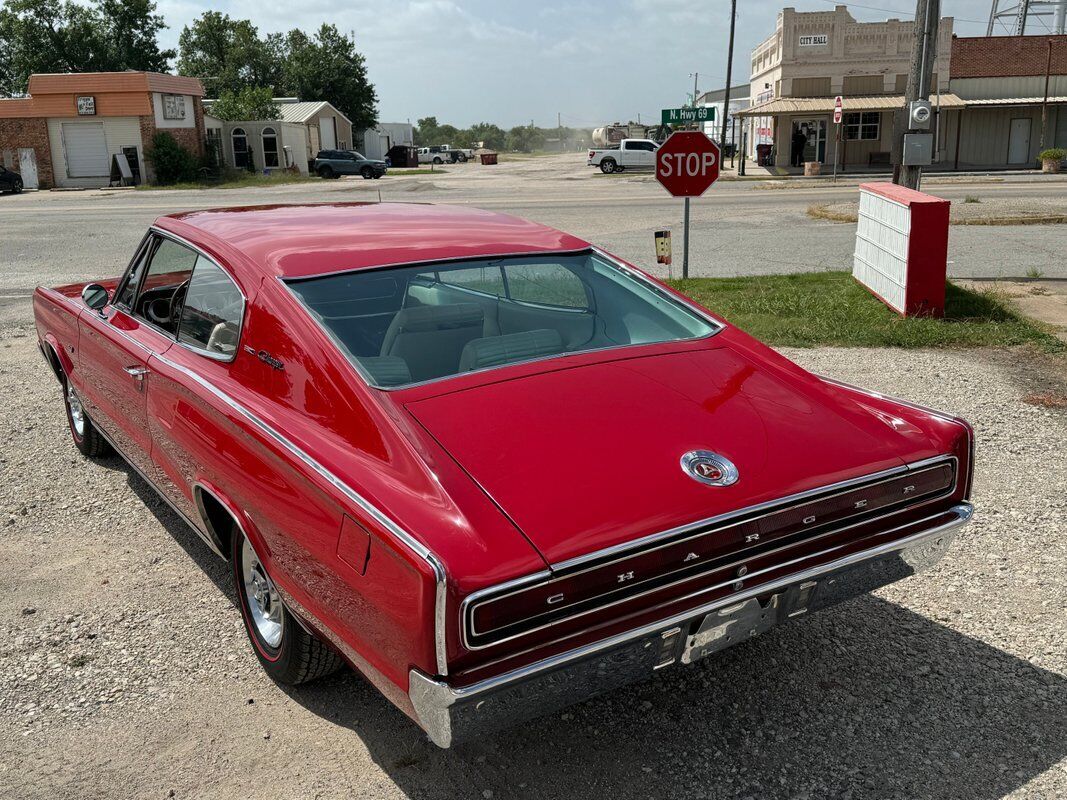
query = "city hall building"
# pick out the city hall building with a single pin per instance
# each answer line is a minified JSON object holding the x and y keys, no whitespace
{"x":987,"y":93}
{"x":67,"y":129}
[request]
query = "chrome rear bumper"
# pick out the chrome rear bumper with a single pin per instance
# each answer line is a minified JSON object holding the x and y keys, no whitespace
{"x":450,"y":714}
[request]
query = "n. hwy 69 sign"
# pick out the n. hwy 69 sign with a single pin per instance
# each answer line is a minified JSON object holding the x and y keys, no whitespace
{"x":687,"y":163}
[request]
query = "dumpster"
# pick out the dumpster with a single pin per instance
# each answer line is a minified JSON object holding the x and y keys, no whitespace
{"x":488,"y":158}
{"x":402,"y":155}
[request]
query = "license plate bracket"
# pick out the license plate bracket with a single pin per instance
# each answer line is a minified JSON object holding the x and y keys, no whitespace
{"x":747,"y":619}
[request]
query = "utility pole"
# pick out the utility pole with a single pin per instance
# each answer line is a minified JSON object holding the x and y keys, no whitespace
{"x":1044,"y":101}
{"x":729,"y":71}
{"x":927,"y":19}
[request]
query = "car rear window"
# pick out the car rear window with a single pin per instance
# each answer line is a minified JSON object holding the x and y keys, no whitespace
{"x":408,"y":325}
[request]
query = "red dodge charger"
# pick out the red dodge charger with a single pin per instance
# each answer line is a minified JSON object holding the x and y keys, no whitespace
{"x":488,"y":465}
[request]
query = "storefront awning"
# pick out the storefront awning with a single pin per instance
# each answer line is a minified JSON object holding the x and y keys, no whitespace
{"x":825,"y":105}
{"x":1013,"y":101}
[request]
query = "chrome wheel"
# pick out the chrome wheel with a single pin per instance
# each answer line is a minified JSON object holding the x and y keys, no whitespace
{"x":77,"y":413}
{"x":262,"y":597}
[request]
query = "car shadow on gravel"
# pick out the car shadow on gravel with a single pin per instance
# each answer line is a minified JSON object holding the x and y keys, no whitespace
{"x":210,"y":564}
{"x":865,"y":700}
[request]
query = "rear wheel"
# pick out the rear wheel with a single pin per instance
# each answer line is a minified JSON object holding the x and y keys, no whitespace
{"x":16,"y":187}
{"x":438,"y":160}
{"x":607,"y":166}
{"x":288,"y":652}
{"x":86,"y":437}
{"x":326,"y":171}
{"x":462,"y":158}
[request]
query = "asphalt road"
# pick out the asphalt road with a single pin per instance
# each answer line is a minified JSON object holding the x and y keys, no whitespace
{"x":738,"y":228}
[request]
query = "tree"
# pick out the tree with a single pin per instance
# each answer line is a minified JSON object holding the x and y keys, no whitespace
{"x":525,"y":138}
{"x":426,"y":131}
{"x":250,"y":103}
{"x":491,"y":136}
{"x":328,"y":67}
{"x":226,"y":54}
{"x":55,"y":36}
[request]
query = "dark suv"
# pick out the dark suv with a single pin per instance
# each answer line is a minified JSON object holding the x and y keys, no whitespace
{"x":335,"y":163}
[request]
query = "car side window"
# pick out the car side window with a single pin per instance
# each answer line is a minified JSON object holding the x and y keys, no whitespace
{"x":212,"y":312}
{"x":487,"y":280}
{"x":546,"y":285}
{"x":170,"y":268}
{"x":128,"y":289}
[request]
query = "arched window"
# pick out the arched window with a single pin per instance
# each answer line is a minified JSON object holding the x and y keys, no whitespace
{"x":270,"y":148}
{"x":240,"y":148}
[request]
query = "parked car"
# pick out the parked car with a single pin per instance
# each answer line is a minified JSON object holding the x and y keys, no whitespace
{"x":492,"y":467}
{"x":10,"y":181}
{"x":627,"y":153}
{"x":335,"y":163}
{"x":454,"y":154}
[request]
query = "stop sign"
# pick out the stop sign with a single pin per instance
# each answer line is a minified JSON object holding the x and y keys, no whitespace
{"x":687,"y":163}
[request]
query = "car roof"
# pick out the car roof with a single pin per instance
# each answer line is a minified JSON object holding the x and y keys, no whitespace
{"x":302,"y":241}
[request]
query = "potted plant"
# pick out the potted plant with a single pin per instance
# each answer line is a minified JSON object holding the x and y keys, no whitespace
{"x":1051,"y":158}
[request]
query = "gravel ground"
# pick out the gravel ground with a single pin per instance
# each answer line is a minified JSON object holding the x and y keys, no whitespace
{"x":124,"y":671}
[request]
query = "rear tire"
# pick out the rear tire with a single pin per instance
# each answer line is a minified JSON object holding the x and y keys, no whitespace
{"x":462,"y":158}
{"x":326,"y":172}
{"x":85,"y":435}
{"x":288,"y":652}
{"x":16,"y":188}
{"x":607,"y":166}
{"x":438,"y":160}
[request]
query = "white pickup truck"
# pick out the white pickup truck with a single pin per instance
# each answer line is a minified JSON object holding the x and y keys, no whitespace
{"x":628,"y":153}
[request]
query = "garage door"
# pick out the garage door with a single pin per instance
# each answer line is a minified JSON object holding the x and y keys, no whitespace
{"x":86,"y":150}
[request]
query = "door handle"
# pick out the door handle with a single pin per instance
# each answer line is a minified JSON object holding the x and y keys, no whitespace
{"x":137,"y":372}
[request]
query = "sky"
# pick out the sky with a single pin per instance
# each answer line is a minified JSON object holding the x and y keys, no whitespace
{"x":589,"y":61}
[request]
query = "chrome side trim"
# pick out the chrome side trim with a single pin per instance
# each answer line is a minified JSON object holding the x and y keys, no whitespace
{"x":432,"y":699}
{"x":379,"y":516}
{"x":208,"y":539}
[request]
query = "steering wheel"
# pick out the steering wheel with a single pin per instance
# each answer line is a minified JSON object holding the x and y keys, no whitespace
{"x":176,"y":301}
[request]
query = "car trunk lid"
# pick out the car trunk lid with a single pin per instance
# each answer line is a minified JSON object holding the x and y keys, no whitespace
{"x":588,"y":457}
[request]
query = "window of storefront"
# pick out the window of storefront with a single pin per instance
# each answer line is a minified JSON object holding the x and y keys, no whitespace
{"x":863,"y":125}
{"x":270,"y":148}
{"x":240,"y":148}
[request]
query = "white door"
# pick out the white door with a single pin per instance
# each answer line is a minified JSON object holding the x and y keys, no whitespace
{"x":328,"y":132}
{"x":86,"y":150}
{"x":28,"y":167}
{"x":1019,"y":141}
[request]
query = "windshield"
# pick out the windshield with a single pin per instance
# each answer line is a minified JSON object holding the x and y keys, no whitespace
{"x":408,"y":325}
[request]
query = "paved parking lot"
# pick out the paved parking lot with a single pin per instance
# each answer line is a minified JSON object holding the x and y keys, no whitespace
{"x":124,"y":671}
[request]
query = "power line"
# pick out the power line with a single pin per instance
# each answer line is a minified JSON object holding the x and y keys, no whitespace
{"x":895,"y":11}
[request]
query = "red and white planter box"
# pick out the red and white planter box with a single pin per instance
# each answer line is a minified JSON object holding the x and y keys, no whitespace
{"x":901,"y":251}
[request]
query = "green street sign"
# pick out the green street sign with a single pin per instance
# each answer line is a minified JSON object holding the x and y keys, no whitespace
{"x":684,"y":116}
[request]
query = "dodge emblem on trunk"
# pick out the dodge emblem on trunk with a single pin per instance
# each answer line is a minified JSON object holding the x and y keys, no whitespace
{"x":710,"y":468}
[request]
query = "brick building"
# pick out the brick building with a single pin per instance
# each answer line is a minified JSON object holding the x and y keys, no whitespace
{"x":988,"y":93}
{"x":66,"y":130}
{"x":1002,"y":81}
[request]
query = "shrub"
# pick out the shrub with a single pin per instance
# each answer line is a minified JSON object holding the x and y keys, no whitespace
{"x":171,"y":162}
{"x":1053,"y":154}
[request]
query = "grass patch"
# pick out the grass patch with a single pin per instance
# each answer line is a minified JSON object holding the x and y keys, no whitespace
{"x":830,"y":308}
{"x":247,"y":180}
{"x":971,"y":199}
{"x":830,"y":214}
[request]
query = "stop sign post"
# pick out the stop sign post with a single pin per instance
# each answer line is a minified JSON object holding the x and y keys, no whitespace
{"x":686,"y":166}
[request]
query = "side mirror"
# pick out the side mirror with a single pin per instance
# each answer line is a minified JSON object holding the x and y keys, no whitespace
{"x":95,"y":296}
